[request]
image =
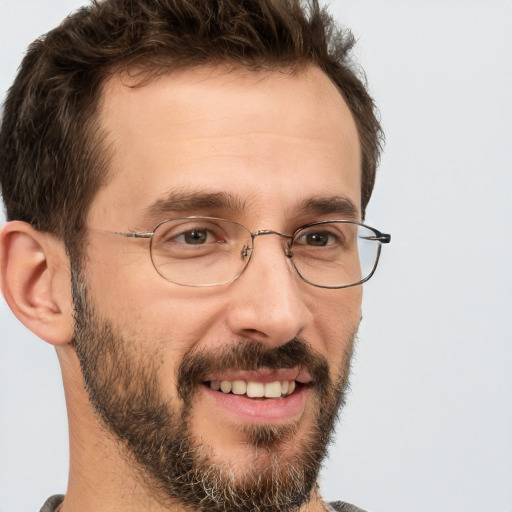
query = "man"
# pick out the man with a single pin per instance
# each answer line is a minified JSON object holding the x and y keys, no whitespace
{"x":185,"y":184}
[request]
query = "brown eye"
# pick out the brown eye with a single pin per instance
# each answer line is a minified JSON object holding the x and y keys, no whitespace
{"x":193,"y":237}
{"x":317,"y":239}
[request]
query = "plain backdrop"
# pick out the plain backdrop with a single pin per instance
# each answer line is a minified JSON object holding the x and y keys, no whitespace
{"x":428,"y":426}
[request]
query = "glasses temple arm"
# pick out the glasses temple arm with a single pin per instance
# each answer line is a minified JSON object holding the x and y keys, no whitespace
{"x":131,"y":235}
{"x":383,"y":238}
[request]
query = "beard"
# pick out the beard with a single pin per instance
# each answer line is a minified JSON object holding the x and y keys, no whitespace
{"x":155,"y":434}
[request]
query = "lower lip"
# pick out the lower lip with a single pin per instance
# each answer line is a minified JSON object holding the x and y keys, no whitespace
{"x":261,"y":411}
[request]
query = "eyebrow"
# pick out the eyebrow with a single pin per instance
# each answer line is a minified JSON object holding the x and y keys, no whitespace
{"x":187,"y":202}
{"x":340,"y":206}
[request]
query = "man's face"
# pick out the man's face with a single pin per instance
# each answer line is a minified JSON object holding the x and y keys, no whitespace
{"x":269,"y":150}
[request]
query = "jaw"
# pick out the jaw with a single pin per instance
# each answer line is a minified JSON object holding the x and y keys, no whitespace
{"x":241,"y":430}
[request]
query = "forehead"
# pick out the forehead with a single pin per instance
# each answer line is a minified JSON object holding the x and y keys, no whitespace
{"x":266,"y":139}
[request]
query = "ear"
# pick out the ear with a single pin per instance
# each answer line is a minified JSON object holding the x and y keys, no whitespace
{"x":35,"y":281}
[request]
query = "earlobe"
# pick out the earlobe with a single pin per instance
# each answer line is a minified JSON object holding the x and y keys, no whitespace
{"x":34,"y":273}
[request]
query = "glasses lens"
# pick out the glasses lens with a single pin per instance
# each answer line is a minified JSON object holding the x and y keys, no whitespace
{"x":200,"y":251}
{"x":335,"y":254}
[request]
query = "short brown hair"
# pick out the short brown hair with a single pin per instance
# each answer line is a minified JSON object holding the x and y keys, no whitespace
{"x":52,"y":160}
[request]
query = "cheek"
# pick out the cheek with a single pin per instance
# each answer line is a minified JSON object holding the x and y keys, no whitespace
{"x":337,"y":319}
{"x":129,"y":289}
{"x":162,"y":320}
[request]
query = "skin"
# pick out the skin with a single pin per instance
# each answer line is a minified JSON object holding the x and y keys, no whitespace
{"x":271,"y":139}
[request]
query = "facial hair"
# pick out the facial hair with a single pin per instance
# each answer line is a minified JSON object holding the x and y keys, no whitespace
{"x":156,"y":436}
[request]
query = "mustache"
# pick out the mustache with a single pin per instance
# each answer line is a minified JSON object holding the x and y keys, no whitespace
{"x":250,"y":355}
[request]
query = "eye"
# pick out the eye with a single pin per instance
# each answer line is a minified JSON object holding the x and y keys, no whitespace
{"x":190,"y":234}
{"x":318,"y":238}
{"x":196,"y":236}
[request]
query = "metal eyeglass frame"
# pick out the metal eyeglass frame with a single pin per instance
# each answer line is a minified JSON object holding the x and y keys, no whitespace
{"x":382,"y":238}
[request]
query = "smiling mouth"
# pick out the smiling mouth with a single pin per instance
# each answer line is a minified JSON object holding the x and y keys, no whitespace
{"x":254,"y":389}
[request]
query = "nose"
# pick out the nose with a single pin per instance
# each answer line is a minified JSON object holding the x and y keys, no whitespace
{"x":268,"y":301}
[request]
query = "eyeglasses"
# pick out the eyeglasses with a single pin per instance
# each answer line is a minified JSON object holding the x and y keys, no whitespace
{"x":207,"y":251}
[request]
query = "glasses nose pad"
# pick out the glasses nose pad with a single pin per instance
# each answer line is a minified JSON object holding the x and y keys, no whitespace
{"x":245,"y":251}
{"x":288,"y":248}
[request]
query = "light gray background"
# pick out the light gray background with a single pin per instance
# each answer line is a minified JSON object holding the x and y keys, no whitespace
{"x":429,"y":421}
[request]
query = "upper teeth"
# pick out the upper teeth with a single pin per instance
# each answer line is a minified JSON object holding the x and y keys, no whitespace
{"x":255,"y":389}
